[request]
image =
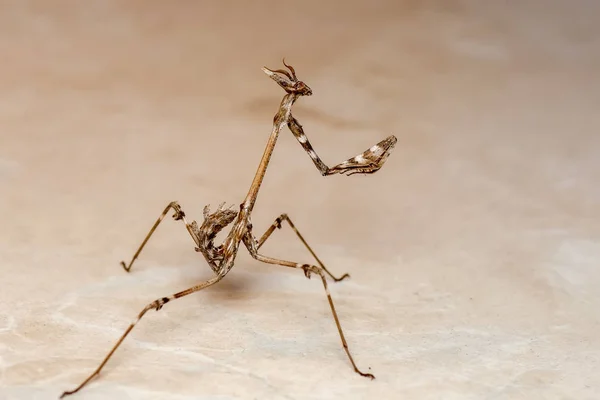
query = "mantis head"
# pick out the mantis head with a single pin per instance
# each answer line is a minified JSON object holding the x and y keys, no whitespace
{"x":288,"y":80}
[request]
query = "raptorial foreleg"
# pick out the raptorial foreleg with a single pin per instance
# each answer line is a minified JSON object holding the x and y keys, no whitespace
{"x":368,"y":162}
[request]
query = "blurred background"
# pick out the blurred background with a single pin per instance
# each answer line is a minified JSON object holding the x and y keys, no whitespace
{"x":473,"y":252}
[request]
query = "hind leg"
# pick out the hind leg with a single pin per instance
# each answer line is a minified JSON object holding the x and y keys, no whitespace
{"x":307,"y":269}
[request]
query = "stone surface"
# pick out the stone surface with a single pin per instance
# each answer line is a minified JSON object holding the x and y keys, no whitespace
{"x":474,"y":252}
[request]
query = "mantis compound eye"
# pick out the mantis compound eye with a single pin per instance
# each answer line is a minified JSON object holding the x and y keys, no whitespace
{"x":303,"y":89}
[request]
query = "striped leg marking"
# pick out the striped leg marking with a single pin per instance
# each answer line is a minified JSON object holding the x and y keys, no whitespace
{"x":368,"y":162}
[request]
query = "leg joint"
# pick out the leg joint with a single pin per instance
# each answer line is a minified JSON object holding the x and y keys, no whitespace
{"x":179,"y":214}
{"x":309,"y":269}
{"x":280,"y":219}
{"x":159,"y":303}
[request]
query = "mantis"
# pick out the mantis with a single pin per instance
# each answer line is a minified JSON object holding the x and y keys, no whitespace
{"x":221,"y":258}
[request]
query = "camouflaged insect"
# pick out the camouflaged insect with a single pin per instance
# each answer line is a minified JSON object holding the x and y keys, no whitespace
{"x":221,"y":258}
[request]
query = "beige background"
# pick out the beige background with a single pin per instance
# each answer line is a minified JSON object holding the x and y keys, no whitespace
{"x":473,"y":252}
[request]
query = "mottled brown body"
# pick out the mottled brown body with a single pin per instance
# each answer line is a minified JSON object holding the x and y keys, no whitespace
{"x":221,"y":258}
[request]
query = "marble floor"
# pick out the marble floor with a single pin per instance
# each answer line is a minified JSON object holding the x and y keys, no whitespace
{"x":474,"y":252}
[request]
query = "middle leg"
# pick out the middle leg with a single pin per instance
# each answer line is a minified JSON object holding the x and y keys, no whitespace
{"x":179,"y":215}
{"x":277,"y":224}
